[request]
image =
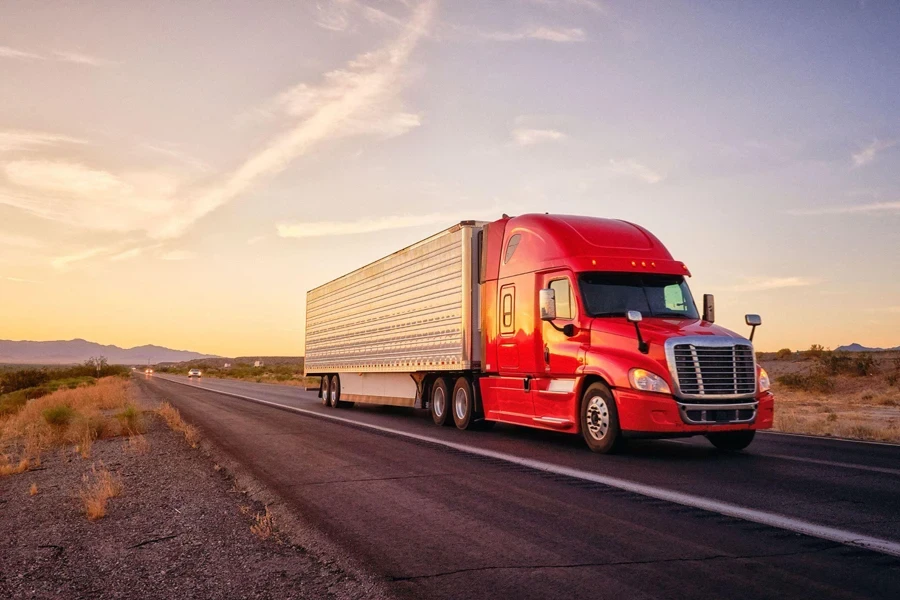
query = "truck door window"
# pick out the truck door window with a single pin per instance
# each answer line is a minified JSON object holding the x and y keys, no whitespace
{"x":507,"y":309}
{"x":564,"y":309}
{"x":511,"y":246}
{"x":674,"y":298}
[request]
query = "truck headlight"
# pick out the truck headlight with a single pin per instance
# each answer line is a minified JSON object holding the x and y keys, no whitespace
{"x":644,"y":380}
{"x":764,"y":384}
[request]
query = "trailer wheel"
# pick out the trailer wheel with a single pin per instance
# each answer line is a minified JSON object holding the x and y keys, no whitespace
{"x":440,"y":402}
{"x":600,"y":420}
{"x":334,"y":392}
{"x":463,"y":403}
{"x":323,"y":390}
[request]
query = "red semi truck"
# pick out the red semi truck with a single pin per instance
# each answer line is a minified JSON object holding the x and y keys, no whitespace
{"x":574,"y":324}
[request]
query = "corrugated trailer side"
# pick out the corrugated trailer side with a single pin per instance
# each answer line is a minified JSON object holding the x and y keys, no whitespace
{"x":416,"y":310}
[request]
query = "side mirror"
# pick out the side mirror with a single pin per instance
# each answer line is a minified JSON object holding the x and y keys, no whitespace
{"x":709,"y":308}
{"x":753,"y":321}
{"x":635,"y":316}
{"x":547,"y":301}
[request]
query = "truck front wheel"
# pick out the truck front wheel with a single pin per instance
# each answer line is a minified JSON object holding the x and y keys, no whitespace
{"x":440,"y":402}
{"x":600,"y":420}
{"x":731,"y":441}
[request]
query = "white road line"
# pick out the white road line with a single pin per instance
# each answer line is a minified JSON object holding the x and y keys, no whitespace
{"x":824,"y":532}
{"x":832,"y":463}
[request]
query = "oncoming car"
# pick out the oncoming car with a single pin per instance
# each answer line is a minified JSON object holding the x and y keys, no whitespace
{"x":148,"y":371}
{"x":194,"y":373}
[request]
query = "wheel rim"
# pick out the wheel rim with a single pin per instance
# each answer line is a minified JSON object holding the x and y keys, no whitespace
{"x":597,"y":417}
{"x":325,"y":390}
{"x":333,"y":394}
{"x":461,"y":403}
{"x":439,"y":400}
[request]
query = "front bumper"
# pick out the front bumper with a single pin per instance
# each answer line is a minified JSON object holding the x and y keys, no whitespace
{"x":649,"y":413}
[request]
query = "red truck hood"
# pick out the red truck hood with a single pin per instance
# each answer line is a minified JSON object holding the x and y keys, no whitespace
{"x":616,"y":332}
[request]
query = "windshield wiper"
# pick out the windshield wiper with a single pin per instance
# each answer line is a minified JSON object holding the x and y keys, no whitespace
{"x":671,"y":314}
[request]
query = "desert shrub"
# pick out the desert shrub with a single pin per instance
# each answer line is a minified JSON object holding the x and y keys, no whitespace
{"x":98,"y":487}
{"x":892,"y":378}
{"x":836,"y":363}
{"x":11,"y":403}
{"x":811,"y":382}
{"x":132,"y":420}
{"x":815,"y":351}
{"x":783,"y":354}
{"x":58,"y":415}
{"x":864,"y":365}
{"x":21,"y":379}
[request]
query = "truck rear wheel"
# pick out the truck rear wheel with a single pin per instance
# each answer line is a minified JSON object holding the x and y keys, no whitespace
{"x":323,"y":390}
{"x":600,"y":420}
{"x":463,"y":403}
{"x":440,"y":402}
{"x":731,"y":441}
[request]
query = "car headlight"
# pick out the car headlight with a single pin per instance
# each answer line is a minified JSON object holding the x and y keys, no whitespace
{"x":644,"y":380}
{"x":764,"y":384}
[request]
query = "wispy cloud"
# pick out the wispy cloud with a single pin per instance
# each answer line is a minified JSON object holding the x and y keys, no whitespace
{"x":20,"y":280}
{"x":255,"y":240}
{"x":127,"y":254}
{"x":543,"y":33}
{"x":67,"y":56}
{"x":358,"y":99}
{"x":868,"y":153}
{"x":632,"y":168}
{"x":591,"y":5}
{"x":761,"y":284}
{"x":864,"y":209}
{"x":178,"y":255}
{"x":178,"y":156}
{"x":338,"y":15}
{"x":80,"y":58}
{"x":17,"y":140}
{"x":63,"y":261}
{"x":528,"y":137}
{"x":19,"y":241}
{"x":16,"y":54}
{"x":308,"y":229}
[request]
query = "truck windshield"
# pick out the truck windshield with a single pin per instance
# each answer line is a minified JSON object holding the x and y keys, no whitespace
{"x":612,"y":294}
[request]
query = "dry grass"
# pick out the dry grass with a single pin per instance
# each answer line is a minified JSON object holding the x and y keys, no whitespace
{"x":137,"y":444}
{"x":33,"y":490}
{"x":66,"y":417}
{"x":173,"y":419}
{"x":7,"y":468}
{"x":264,"y":525}
{"x":98,"y":486}
{"x":849,"y":406}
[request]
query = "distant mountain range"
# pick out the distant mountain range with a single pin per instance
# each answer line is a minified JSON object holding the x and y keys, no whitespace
{"x":854,"y":347}
{"x":78,"y":351}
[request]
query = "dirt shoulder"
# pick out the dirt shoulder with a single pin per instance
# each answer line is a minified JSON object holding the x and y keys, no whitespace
{"x":180,"y":527}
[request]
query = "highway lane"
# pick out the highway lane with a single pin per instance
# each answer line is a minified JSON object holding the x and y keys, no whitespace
{"x":432,"y":520}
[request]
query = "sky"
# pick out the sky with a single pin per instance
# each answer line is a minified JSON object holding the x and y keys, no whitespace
{"x":181,"y":173}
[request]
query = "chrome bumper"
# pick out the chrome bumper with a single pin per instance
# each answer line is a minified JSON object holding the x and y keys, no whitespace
{"x":718,"y":414}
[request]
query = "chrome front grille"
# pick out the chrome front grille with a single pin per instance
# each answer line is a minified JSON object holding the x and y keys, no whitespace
{"x":712,"y":367}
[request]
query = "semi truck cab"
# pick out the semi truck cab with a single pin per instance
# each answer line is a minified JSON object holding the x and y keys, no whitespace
{"x":589,"y":325}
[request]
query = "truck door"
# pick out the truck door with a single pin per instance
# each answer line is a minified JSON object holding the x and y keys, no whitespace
{"x":554,"y":385}
{"x":513,"y":393}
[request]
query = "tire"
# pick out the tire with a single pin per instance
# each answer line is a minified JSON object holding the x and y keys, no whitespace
{"x":599,"y":420}
{"x":731,"y":441}
{"x":323,"y":390}
{"x":334,"y":392}
{"x":463,"y":403}
{"x":440,"y":402}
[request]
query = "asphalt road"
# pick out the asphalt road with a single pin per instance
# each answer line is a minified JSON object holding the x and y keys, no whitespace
{"x":440,"y":522}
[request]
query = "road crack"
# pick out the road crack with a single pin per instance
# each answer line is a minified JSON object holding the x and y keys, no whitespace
{"x":621,"y":563}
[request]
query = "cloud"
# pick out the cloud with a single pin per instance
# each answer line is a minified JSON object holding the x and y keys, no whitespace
{"x":127,"y":255}
{"x":528,"y":137}
{"x":16,"y":54}
{"x":592,"y":5}
{"x":20,"y":280}
{"x":62,"y":56}
{"x":867,"y":154}
{"x":62,"y":262}
{"x":177,"y":255}
{"x":84,"y":59}
{"x":178,"y":156}
{"x":255,"y":240}
{"x":865,"y":209}
{"x":337,"y":15}
{"x":760,"y":284}
{"x":547,"y":34}
{"x":358,"y":99}
{"x":632,"y":168}
{"x":19,"y":241}
{"x":308,"y":229}
{"x":17,"y":140}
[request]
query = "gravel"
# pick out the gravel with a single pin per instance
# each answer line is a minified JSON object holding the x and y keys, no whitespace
{"x":180,"y":529}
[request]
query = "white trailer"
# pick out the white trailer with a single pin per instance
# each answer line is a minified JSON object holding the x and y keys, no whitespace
{"x":374,"y":333}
